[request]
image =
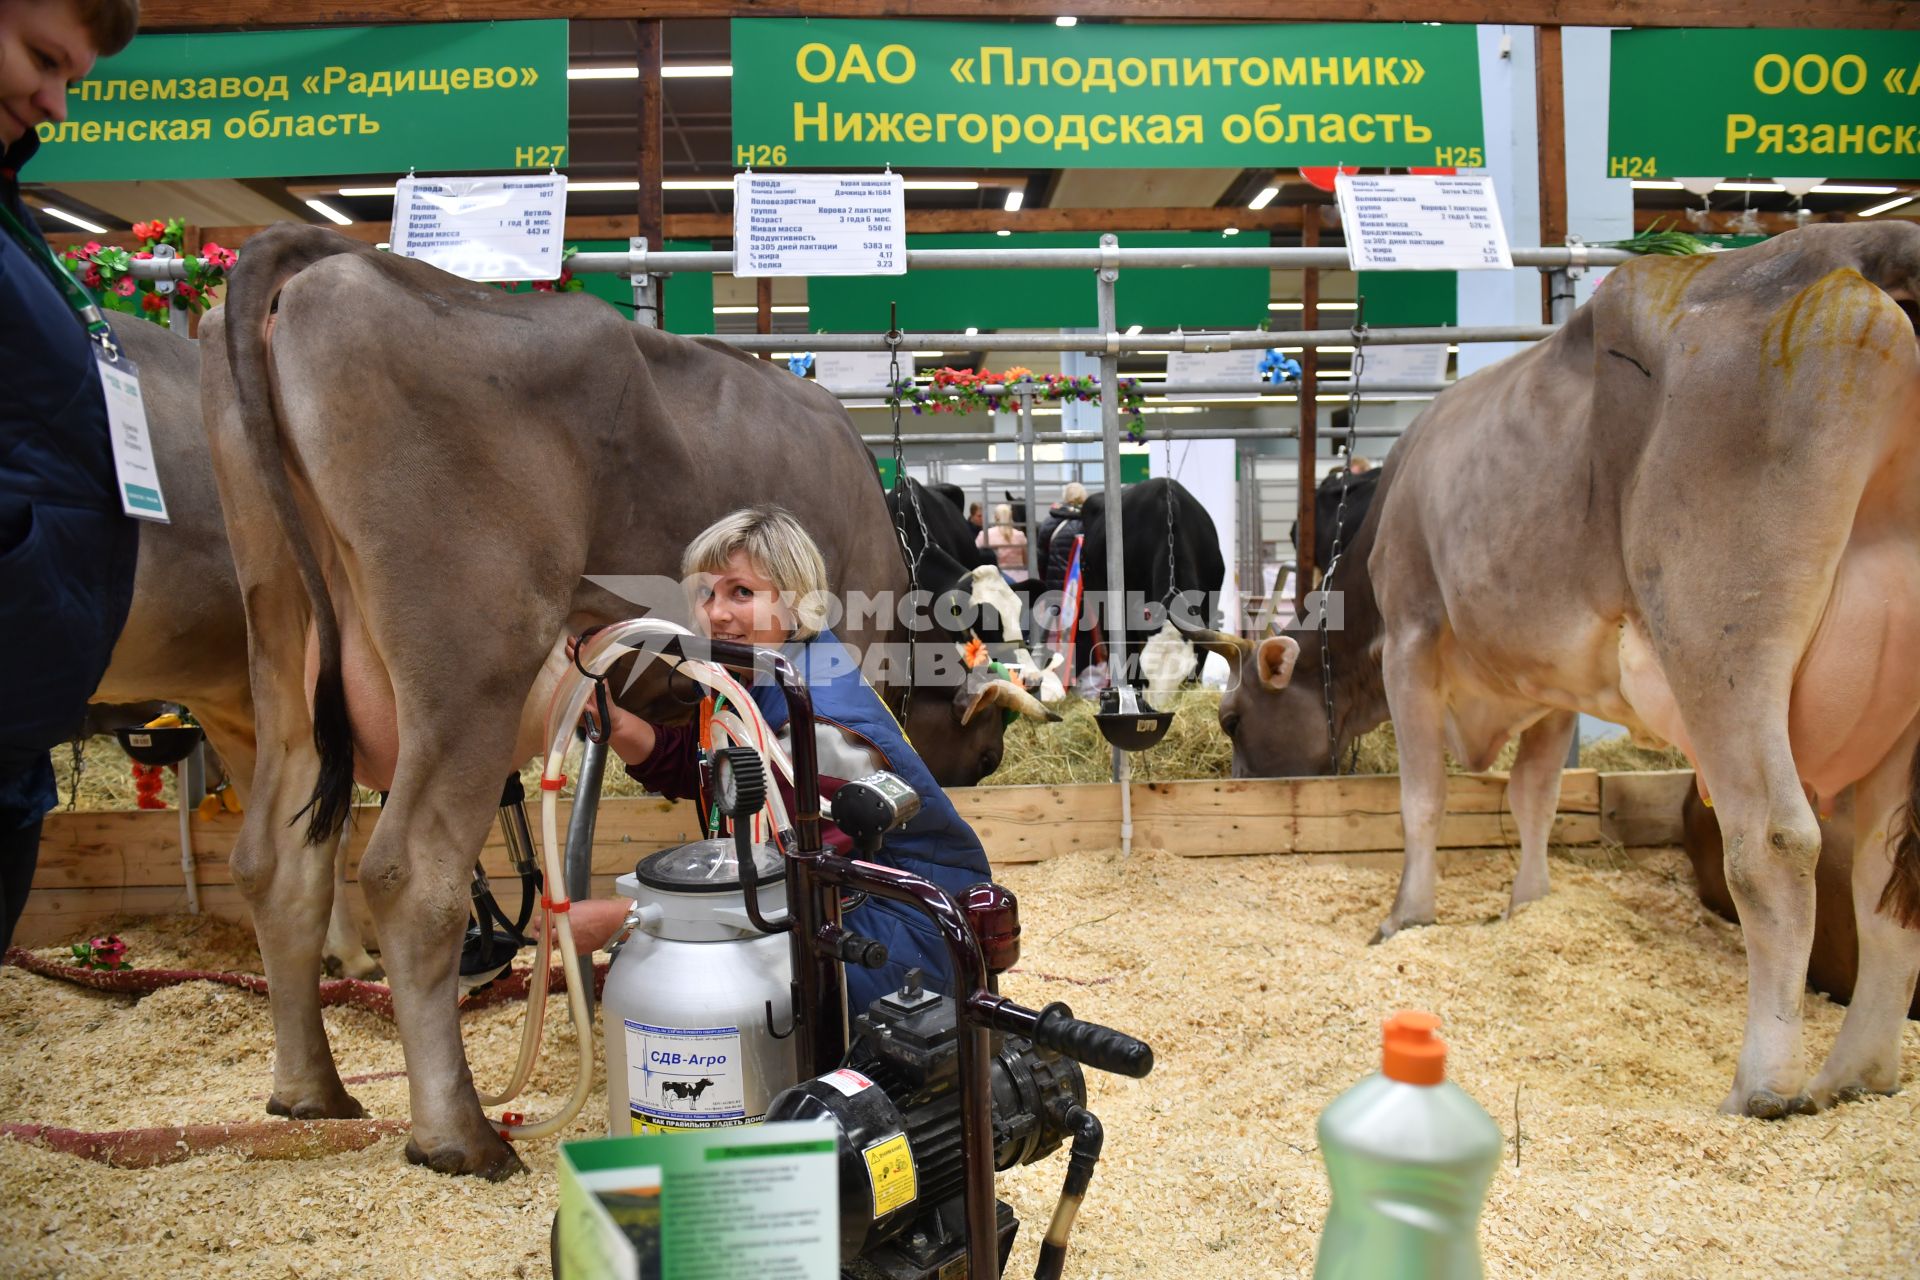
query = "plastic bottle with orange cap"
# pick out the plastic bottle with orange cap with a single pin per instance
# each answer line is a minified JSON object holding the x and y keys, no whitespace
{"x":1409,"y":1155}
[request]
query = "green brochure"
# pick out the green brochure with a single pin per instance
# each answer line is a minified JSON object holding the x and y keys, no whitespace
{"x":756,"y":1200}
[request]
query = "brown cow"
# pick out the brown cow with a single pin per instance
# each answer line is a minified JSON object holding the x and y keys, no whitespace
{"x":1695,"y":511}
{"x":370,"y":425}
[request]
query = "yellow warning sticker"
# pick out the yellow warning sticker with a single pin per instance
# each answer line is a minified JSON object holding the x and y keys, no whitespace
{"x":890,"y":1169}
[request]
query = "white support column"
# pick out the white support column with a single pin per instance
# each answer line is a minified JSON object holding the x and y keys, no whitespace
{"x":1513,"y":161}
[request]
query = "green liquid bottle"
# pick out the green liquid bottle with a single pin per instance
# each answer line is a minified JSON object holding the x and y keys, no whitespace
{"x":1409,"y":1156}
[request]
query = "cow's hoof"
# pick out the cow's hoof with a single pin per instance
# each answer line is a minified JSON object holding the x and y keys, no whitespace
{"x":330,"y":1104}
{"x":361,"y":968}
{"x":1389,"y":927}
{"x":1765,"y":1104}
{"x":1853,"y":1092}
{"x":493,"y":1159}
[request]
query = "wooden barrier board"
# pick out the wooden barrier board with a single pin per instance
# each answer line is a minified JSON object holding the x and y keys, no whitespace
{"x":96,"y":865}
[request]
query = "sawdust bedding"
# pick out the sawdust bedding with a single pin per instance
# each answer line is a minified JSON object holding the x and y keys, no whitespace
{"x":1613,"y":1010}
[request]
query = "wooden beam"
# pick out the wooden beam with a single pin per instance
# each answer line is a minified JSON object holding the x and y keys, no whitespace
{"x":178,"y":15}
{"x":652,"y":132}
{"x":1550,"y":105}
{"x":1643,"y":808}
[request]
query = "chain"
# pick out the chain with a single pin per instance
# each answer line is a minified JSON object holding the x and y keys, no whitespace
{"x":907,"y":551}
{"x":79,"y":767}
{"x":1359,"y":334}
{"x":1166,"y":601}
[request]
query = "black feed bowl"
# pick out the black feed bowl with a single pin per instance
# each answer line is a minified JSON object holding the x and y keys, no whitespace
{"x":1134,"y":730}
{"x":159,"y":746}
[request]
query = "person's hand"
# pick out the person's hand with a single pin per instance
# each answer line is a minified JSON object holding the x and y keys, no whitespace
{"x":595,"y":921}
{"x":630,"y":737}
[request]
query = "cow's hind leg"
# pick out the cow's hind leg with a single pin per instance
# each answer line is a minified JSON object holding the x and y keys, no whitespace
{"x":1866,"y":1056}
{"x":346,"y":954}
{"x":416,"y":875}
{"x":288,"y":884}
{"x":1533,"y":793}
{"x":1412,"y":671}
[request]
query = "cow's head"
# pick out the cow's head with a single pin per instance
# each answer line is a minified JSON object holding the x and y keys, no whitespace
{"x":961,"y":735}
{"x":1274,"y":709}
{"x":962,"y":701}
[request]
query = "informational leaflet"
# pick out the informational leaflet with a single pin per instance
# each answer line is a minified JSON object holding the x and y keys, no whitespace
{"x":1212,"y":366}
{"x":761,"y":1201}
{"x":483,"y":228}
{"x":819,"y":224}
{"x":1422,"y":222}
{"x":858,"y":369}
{"x":1415,"y":364}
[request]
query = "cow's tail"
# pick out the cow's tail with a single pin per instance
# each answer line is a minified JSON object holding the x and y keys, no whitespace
{"x":271,"y":259}
{"x":1901,"y":898}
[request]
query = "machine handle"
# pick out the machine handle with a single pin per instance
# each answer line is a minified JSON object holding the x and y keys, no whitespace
{"x":1090,"y":1043}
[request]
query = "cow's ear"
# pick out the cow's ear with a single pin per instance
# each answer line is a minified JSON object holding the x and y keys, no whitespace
{"x":1276,"y":658}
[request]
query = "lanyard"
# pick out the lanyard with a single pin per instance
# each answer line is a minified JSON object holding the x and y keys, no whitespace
{"x":75,"y":293}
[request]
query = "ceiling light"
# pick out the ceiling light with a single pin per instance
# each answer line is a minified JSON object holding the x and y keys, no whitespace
{"x":1844,"y":189}
{"x":1003,"y":232}
{"x":1066,"y":22}
{"x":784,"y":309}
{"x":1865,"y":213}
{"x":672,"y":71}
{"x":941,"y":184}
{"x":1015,"y":198}
{"x":330,"y":213}
{"x":602,"y":186}
{"x":1132,"y":329}
{"x":1749,"y":186}
{"x":1264,"y":199}
{"x":932,"y":354}
{"x":687,"y":184}
{"x":972,"y":332}
{"x":1642,"y":185}
{"x":367,"y":191}
{"x":1230,"y":231}
{"x":73,"y":218}
{"x":384,"y":245}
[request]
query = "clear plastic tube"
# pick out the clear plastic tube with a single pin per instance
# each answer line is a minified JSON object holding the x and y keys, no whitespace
{"x":747,"y":727}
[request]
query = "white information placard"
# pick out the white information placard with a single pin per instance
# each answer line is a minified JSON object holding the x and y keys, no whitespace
{"x":1419,"y":363}
{"x":1212,"y":366}
{"x":483,"y":228}
{"x":858,"y":369}
{"x":819,"y":224}
{"x":1422,"y":222}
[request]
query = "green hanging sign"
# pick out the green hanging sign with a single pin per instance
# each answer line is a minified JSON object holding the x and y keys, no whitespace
{"x":1734,"y":103}
{"x":857,"y":94}
{"x":448,"y":96}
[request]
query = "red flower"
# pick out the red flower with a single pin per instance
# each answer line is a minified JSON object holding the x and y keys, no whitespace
{"x":152,"y":302}
{"x":543,"y":286}
{"x":125,"y":286}
{"x":109,"y":950}
{"x":188,"y":292}
{"x":218,"y":257}
{"x":143,"y":254}
{"x":90,"y":248}
{"x":91,"y":276}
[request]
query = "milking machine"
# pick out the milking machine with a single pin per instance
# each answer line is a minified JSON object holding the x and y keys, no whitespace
{"x":727,"y":1004}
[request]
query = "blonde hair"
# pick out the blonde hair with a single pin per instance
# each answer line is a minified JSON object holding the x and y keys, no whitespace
{"x":778,"y":547}
{"x":1075,"y":494}
{"x":1003,"y":513}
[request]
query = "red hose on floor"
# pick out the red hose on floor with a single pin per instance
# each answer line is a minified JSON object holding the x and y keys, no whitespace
{"x":374,"y":997}
{"x":260,"y":1140}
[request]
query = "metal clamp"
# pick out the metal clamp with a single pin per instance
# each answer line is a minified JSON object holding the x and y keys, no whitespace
{"x":1109,"y":257}
{"x":1113,"y":343}
{"x":1576,"y":254}
{"x":164,"y":286}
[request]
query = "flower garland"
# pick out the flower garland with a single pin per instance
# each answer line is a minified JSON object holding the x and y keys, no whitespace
{"x":964,"y":391}
{"x":108,"y":271}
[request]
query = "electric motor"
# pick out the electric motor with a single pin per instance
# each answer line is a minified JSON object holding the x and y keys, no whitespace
{"x":897,"y":1104}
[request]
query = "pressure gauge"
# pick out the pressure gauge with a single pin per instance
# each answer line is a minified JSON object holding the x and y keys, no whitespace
{"x":739,"y":781}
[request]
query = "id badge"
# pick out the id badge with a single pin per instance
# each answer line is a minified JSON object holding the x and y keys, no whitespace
{"x":133,"y":463}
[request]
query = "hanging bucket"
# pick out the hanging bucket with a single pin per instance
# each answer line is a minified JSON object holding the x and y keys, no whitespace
{"x":1128,"y":722}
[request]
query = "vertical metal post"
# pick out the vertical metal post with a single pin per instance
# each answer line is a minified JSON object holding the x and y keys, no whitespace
{"x":1113,"y":616}
{"x":1309,"y":416}
{"x":646,"y":290}
{"x":1026,"y":467}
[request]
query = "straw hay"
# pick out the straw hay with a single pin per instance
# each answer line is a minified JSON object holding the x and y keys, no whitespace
{"x":1614,"y":1007}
